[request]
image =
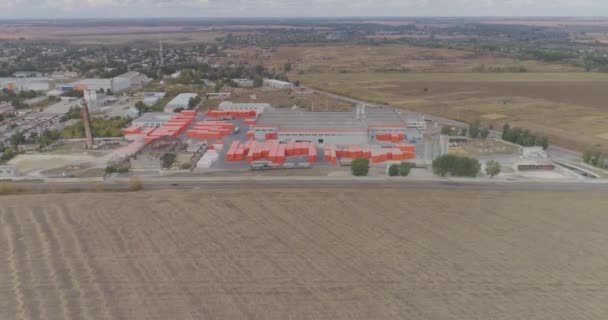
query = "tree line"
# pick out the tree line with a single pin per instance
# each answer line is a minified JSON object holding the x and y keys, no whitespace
{"x":524,"y":137}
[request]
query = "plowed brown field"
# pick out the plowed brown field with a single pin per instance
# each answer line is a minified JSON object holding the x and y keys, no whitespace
{"x":303,"y":254}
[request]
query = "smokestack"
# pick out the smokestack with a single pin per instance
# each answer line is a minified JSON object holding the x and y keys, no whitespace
{"x":86,"y":120}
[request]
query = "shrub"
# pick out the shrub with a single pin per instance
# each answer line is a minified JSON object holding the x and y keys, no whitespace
{"x":456,"y":166}
{"x":135,"y":184}
{"x":393,"y":170}
{"x":595,"y":158}
{"x":492,"y":168}
{"x":404,"y":169}
{"x":360,"y":167}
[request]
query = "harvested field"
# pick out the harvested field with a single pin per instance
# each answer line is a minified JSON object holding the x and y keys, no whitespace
{"x":568,"y":107}
{"x":397,"y":58}
{"x":303,"y":254}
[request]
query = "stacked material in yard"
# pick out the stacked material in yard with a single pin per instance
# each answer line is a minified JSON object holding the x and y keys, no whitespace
{"x":214,"y":130}
{"x":271,"y":150}
{"x":390,"y":137}
{"x":132,"y":130}
{"x":401,"y":152}
{"x":234,"y":114}
{"x":173,"y":127}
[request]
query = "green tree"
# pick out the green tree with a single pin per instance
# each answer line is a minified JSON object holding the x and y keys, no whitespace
{"x":260,"y":70}
{"x":258,"y":82}
{"x":287,"y":67}
{"x":141,"y":107}
{"x":587,"y":156}
{"x":360,"y":167}
{"x":492,"y":168}
{"x":474,"y":130}
{"x":447,"y":131}
{"x":17,"y":139}
{"x":404,"y":169}
{"x":544,"y":142}
{"x":484,"y":133}
{"x":1,"y":117}
{"x":194,"y":102}
{"x":456,"y":166}
{"x":393,"y":170}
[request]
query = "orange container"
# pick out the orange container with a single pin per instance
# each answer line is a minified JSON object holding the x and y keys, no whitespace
{"x":280,"y":156}
{"x":132,"y":130}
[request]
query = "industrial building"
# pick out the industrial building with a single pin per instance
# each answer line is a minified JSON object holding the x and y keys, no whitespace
{"x":278,"y":84}
{"x":181,"y":101}
{"x":152,"y":119}
{"x":240,"y":106}
{"x":116,"y":84}
{"x":151,"y":98}
{"x":135,"y":78}
{"x":25,"y":84}
{"x":361,"y":127}
{"x":27,"y":74}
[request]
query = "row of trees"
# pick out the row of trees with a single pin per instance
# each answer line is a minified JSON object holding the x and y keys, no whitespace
{"x":524,"y":137}
{"x":446,"y":165}
{"x":16,"y":99}
{"x":100,"y":128}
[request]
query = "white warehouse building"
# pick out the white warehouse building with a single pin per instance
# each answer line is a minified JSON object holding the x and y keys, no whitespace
{"x":25,"y":84}
{"x":181,"y":101}
{"x":278,"y":84}
{"x":116,"y":84}
{"x":242,"y":106}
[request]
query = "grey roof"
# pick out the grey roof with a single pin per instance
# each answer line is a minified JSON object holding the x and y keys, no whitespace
{"x":91,"y":82}
{"x":230,"y":105}
{"x":154,"y":117}
{"x":301,"y":120}
{"x":181,"y":100}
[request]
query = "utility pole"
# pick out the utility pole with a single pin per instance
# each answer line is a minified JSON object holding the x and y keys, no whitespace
{"x":86,"y":120}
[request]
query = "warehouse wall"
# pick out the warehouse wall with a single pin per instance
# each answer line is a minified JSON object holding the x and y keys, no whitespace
{"x":337,"y":138}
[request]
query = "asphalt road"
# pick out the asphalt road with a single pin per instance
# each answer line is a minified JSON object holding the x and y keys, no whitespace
{"x":168,"y":183}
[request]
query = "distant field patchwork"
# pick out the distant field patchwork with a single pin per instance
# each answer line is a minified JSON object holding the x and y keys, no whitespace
{"x":568,"y":107}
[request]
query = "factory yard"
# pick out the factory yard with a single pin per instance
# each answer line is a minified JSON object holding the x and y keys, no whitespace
{"x":304,"y":254}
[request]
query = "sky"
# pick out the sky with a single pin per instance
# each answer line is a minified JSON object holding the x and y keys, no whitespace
{"x":296,"y":8}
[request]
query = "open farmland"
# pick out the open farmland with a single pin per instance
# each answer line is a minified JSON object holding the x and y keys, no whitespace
{"x":303,"y":254}
{"x":568,"y":107}
{"x":112,"y":35}
{"x":395,"y":58}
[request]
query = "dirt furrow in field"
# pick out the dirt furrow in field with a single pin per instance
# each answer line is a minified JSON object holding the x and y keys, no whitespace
{"x":15,"y":304}
{"x":62,"y":269}
{"x":93,"y":296}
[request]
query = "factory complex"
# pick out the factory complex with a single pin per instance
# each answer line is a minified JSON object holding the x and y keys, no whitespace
{"x":257,"y":132}
{"x":361,"y":127}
